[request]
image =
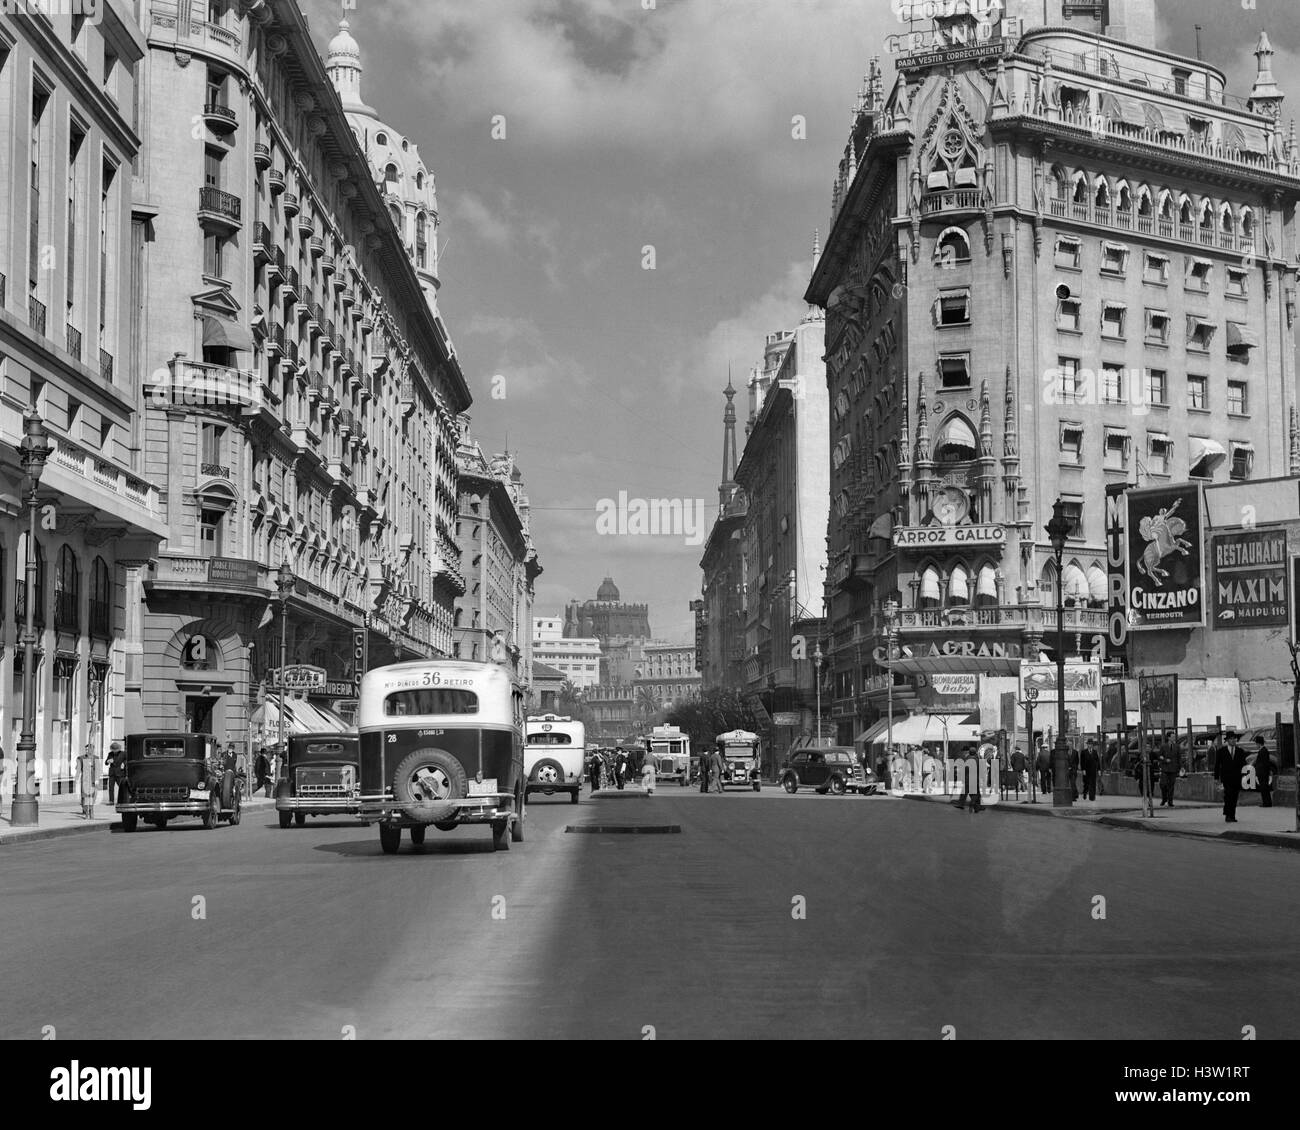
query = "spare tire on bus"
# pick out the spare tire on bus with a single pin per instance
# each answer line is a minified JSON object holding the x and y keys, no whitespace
{"x":425,"y":782}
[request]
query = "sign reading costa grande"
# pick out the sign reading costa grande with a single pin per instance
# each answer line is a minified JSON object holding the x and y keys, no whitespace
{"x":926,"y":537}
{"x":1165,"y":559}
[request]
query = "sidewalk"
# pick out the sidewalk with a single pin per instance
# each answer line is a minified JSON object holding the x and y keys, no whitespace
{"x":61,"y":816}
{"x":1272,"y":826}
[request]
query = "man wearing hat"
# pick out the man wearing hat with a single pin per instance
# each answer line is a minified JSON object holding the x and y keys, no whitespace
{"x":116,"y":771}
{"x":1263,"y":772}
{"x":1229,"y":764}
{"x":1091,"y":765}
{"x":1170,"y":762}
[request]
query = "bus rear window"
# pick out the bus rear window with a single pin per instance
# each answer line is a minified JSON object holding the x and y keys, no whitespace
{"x":430,"y":700}
{"x":550,"y":739}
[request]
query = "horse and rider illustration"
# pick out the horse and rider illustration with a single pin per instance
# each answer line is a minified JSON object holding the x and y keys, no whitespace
{"x":1165,"y":534}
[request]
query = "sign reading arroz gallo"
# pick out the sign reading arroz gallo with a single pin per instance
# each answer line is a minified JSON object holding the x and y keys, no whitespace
{"x":1165,"y":560}
{"x":1249,"y":579}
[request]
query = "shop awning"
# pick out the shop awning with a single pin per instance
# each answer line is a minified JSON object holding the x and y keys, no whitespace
{"x":958,"y":587}
{"x":1240,"y":338}
{"x":220,"y":334}
{"x":1205,"y":453}
{"x":932,"y":728}
{"x":300,"y":717}
{"x":1248,"y":138}
{"x":1075,"y":583}
{"x":1097,"y":583}
{"x":1124,"y":110}
{"x":870,"y":734}
{"x":988,"y":582}
{"x":930,"y":585}
{"x":957,"y":665}
{"x":956,"y":432}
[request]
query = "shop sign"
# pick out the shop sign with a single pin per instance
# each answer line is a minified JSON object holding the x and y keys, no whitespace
{"x":1114,"y":715}
{"x":785,"y":718}
{"x":1082,"y":680}
{"x":1166,"y":574}
{"x":298,"y":677}
{"x":967,"y":649}
{"x":232,"y":571}
{"x":1249,"y":579}
{"x":1158,"y":695}
{"x":931,"y":537}
{"x":954,"y":684}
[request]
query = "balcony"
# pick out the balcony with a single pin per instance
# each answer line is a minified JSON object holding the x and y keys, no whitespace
{"x":219,"y":118}
{"x":261,"y":155}
{"x":407,"y":396}
{"x":346,"y":298}
{"x":306,"y":225}
{"x":36,"y":314}
{"x":275,"y":339}
{"x":263,"y":249}
{"x":214,"y":471}
{"x":349,"y":363}
{"x":94,"y":468}
{"x":106,"y":367}
{"x":74,"y":342}
{"x":955,"y":200}
{"x":275,"y":179}
{"x":347,"y":421}
{"x":315,"y":316}
{"x":199,"y":384}
{"x":315,"y":387}
{"x":327,"y":265}
{"x":275,"y":264}
{"x":316,"y":245}
{"x":219,"y":208}
{"x":290,"y":203}
{"x":1003,"y":616}
{"x":291,"y":281}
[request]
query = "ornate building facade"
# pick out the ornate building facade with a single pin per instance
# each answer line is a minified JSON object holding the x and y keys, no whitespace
{"x":1060,"y":260}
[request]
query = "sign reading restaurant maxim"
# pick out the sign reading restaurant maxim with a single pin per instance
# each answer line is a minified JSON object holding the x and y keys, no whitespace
{"x":909,"y":537}
{"x":1165,"y":559}
{"x":1250,"y":580}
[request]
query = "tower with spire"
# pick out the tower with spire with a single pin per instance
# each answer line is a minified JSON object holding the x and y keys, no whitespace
{"x":1265,"y":96}
{"x":728,"y":486}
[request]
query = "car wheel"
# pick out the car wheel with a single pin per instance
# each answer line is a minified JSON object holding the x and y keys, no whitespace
{"x":547,"y":774}
{"x":235,"y":816}
{"x":517,"y":828}
{"x":573,"y":796}
{"x":500,"y":835}
{"x":390,"y":838}
{"x":425,"y":782}
{"x":300,"y":818}
{"x":129,"y":821}
{"x":837,"y":786}
{"x":286,"y":818}
{"x":212,"y":815}
{"x":417,"y":835}
{"x":790,"y":782}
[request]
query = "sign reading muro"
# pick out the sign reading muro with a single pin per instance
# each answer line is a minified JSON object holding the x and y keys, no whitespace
{"x":1165,"y":559}
{"x":1249,"y":579}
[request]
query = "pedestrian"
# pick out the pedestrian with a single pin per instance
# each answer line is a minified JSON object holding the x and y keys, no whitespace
{"x":261,"y":770}
{"x":1072,"y":769}
{"x":1229,"y":765}
{"x":648,"y":772}
{"x":1169,"y":764}
{"x":1091,"y":765}
{"x":716,"y":769}
{"x":116,"y":770}
{"x":88,"y":777}
{"x":594,"y":771}
{"x":701,"y":764}
{"x":1019,"y":763}
{"x":1263,"y":772}
{"x":1043,"y":762}
{"x":620,"y":768}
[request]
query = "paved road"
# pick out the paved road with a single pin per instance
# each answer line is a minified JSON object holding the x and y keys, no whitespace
{"x":917,"y":917}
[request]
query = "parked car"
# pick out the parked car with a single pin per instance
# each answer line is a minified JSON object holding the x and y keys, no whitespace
{"x":176,"y":774}
{"x":835,"y":769}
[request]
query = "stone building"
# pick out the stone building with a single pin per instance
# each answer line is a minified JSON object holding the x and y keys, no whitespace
{"x":720,"y":613}
{"x":577,"y":659}
{"x":302,"y":393}
{"x":1060,"y":259}
{"x":71,"y":295}
{"x":666,"y":676}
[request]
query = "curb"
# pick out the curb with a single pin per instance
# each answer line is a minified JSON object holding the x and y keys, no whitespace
{"x":98,"y":826}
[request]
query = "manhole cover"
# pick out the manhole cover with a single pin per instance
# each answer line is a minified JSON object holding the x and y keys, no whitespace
{"x":641,"y":829}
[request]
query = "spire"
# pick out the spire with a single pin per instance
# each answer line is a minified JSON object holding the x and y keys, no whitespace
{"x":343,"y":65}
{"x":1265,"y":96}
{"x":814,"y":313}
{"x":986,"y":423}
{"x":728,"y":487}
{"x":1010,"y":440}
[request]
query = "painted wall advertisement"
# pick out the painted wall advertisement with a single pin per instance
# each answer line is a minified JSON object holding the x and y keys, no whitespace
{"x":1082,"y":681}
{"x":1114,"y":716}
{"x":1165,"y":561}
{"x":1249,"y":584}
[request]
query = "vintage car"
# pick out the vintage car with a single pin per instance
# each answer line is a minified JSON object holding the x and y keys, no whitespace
{"x":834,"y":769}
{"x":170,"y":775}
{"x":322,"y":777}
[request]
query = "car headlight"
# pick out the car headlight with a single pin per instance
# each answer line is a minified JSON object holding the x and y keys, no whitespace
{"x":201,"y":785}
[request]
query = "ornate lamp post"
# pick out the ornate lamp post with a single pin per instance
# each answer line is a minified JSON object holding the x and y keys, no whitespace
{"x":33,"y":451}
{"x":1295,"y":729}
{"x":891,"y":613}
{"x":1031,"y":697}
{"x":1058,"y":529}
{"x":818,"y":659}
{"x":284,"y":583}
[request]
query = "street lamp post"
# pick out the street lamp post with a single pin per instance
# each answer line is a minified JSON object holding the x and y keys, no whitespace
{"x":284,"y":582}
{"x":1295,"y":729}
{"x":818,"y":658}
{"x":33,"y":451}
{"x":891,"y":611}
{"x":1058,"y":529}
{"x":1031,"y":697}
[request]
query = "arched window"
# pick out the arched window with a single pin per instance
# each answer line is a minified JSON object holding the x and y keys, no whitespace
{"x":928,"y":593}
{"x":955,"y":442}
{"x":958,"y":587}
{"x":1124,"y":198}
{"x":1144,"y":201}
{"x":67,"y":593}
{"x":1047,"y":585}
{"x":1167,"y":206}
{"x":392,"y":178}
{"x":1075,"y":585}
{"x":1098,"y":586}
{"x":1184,"y":210}
{"x":1080,"y":189}
{"x":952,"y":246}
{"x":1207,"y":216}
{"x":986,"y":587}
{"x":1227,"y":221}
{"x":1057,"y":183}
{"x":1102,"y":197}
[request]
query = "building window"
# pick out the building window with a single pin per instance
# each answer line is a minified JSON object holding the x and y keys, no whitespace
{"x":1072,"y":510}
{"x":1156,"y":269}
{"x":1196,"y":393}
{"x":40,"y":100}
{"x":952,"y":308}
{"x":212,"y":446}
{"x":1113,"y":315}
{"x":1068,"y":252}
{"x":1243,"y":461}
{"x":954,"y":371}
{"x":1237,"y":398}
{"x":1112,"y":381}
{"x":1072,"y":444}
{"x":1235,"y":286}
{"x":67,"y":593}
{"x":952,"y":247}
{"x":1157,"y":327}
{"x":1067,"y":315}
{"x":1156,"y":386}
{"x":213,"y":255}
{"x":1114,"y":258}
{"x":210,"y":532}
{"x":1197,"y":277}
{"x":101,"y":600}
{"x":1181,"y":79}
{"x":1199,"y":332}
{"x":1159,"y":451}
{"x":1067,"y":379}
{"x":1117,"y":449}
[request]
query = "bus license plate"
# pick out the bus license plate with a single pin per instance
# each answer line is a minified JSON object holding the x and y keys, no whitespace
{"x":483,"y":788}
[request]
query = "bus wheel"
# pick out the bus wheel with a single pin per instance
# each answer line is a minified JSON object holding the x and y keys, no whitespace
{"x":286,"y":818}
{"x":547,"y":774}
{"x":573,"y":796}
{"x":300,"y":818}
{"x":390,"y":838}
{"x":129,"y":820}
{"x":500,"y":835}
{"x":424,"y":783}
{"x":417,"y":835}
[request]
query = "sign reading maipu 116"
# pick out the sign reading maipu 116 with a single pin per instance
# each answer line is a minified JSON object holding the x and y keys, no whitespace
{"x":1249,"y":579}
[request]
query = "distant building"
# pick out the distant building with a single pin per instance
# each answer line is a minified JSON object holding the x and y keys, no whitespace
{"x":547,"y":684}
{"x":577,"y":659}
{"x":666,"y":676}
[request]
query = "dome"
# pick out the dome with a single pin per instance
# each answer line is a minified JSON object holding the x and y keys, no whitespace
{"x":343,"y":49}
{"x":608,"y":590}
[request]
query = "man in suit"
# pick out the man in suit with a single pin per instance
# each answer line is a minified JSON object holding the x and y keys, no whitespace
{"x":1263,"y":772}
{"x":1229,"y":764}
{"x":1169,"y":765}
{"x":1091,"y":765}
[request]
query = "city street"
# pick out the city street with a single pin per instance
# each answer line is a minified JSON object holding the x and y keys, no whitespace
{"x":918,"y":917}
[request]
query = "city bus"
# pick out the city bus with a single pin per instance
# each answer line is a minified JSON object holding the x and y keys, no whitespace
{"x":441,"y":744}
{"x":670,"y":746}
{"x":740,"y":762}
{"x":555,"y":748}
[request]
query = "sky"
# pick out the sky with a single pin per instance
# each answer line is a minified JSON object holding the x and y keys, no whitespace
{"x":639,"y":133}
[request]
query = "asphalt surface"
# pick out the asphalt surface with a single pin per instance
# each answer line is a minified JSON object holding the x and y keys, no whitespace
{"x":766,"y":915}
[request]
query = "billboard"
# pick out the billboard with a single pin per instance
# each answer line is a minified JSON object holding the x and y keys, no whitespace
{"x":1249,"y":579}
{"x":1159,"y":701}
{"x":1116,"y":575}
{"x":1082,"y":680}
{"x":1114,"y":715}
{"x":1165,"y":558}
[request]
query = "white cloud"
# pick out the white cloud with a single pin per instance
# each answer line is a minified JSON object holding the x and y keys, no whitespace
{"x":479,"y":217}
